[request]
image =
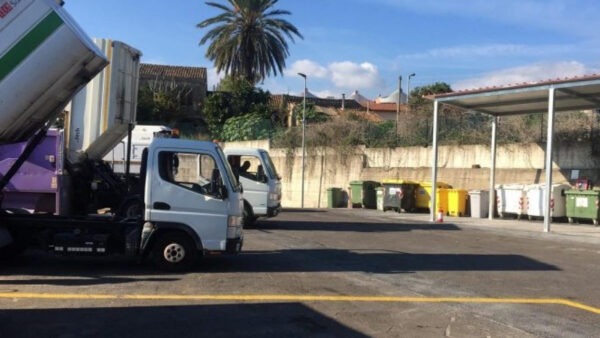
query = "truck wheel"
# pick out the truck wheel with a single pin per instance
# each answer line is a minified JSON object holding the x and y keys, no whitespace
{"x":174,"y":252}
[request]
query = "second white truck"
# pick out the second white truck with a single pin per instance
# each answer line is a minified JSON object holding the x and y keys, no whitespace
{"x":260,"y":180}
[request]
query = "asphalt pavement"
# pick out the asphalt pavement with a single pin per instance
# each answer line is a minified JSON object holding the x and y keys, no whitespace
{"x":583,"y":232}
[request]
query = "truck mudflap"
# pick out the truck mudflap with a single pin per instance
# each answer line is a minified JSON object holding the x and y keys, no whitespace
{"x":234,"y":245}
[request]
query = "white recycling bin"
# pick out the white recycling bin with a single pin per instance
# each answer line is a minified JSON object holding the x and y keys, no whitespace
{"x":536,"y":200}
{"x":510,"y":199}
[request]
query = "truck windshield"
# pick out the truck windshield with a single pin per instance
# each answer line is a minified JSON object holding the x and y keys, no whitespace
{"x":268,"y":164}
{"x":228,"y":172}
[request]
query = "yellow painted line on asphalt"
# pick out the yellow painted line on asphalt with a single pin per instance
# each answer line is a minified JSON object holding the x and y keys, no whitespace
{"x":303,"y":298}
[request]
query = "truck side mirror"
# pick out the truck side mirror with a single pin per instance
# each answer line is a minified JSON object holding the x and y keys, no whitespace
{"x":217,"y":188}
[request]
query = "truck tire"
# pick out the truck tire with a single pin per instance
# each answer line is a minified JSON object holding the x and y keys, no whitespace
{"x":174,"y":251}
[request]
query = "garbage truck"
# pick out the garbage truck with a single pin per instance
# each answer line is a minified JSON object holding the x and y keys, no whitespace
{"x":56,"y":192}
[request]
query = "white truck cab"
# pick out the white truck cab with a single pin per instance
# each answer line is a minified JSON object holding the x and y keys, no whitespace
{"x":260,"y":181}
{"x":190,"y":189}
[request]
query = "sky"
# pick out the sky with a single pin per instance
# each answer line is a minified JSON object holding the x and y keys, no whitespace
{"x":367,"y":45}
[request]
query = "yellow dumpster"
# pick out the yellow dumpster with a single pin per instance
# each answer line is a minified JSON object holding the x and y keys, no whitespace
{"x":457,"y":202}
{"x":423,"y":196}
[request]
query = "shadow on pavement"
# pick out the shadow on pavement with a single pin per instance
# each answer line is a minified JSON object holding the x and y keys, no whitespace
{"x":228,"y":320}
{"x":352,"y":226}
{"x":48,"y":270}
{"x":370,"y":261}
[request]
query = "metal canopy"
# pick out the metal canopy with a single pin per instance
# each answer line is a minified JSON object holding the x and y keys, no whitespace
{"x":571,"y":94}
{"x":550,"y":96}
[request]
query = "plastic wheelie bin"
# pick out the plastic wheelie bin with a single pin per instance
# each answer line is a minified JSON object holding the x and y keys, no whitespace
{"x":379,"y":191}
{"x":479,"y":203}
{"x":457,"y":202}
{"x":363,"y":194}
{"x":399,"y":195}
{"x":334,"y":198}
{"x":583,"y":204}
{"x":423,"y":196}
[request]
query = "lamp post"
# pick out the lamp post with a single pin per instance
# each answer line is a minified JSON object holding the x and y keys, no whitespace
{"x":408,"y":87}
{"x":398,"y":102}
{"x":303,"y":134}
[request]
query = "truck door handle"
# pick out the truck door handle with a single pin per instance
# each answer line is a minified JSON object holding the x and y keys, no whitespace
{"x":161,"y":206}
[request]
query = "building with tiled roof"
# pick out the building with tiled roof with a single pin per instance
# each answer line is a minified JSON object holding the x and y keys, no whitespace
{"x":191,"y":80}
{"x":329,"y":106}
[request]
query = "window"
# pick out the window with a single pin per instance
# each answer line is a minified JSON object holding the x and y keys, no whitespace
{"x":188,"y":170}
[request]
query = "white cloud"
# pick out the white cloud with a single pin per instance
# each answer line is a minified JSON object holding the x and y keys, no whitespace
{"x":351,"y":75}
{"x":528,"y":73}
{"x":490,"y":50}
{"x":308,"y":67}
{"x":345,"y":75}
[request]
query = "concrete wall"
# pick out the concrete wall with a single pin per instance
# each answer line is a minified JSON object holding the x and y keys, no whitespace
{"x":465,"y":167}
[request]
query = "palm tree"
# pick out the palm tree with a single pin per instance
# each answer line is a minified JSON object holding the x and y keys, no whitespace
{"x":248,"y":41}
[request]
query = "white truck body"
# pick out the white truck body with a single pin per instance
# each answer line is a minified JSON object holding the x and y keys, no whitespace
{"x":45,"y":59}
{"x":261,"y":183}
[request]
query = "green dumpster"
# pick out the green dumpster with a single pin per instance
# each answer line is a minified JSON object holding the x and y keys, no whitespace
{"x":583,"y":204}
{"x":334,"y":198}
{"x":363,"y":194}
{"x":399,"y":195}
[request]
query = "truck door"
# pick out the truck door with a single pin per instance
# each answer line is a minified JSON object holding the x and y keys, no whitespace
{"x":181,"y":193}
{"x":255,"y":182}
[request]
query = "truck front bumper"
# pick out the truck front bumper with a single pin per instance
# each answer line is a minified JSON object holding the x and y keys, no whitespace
{"x":273,"y":211}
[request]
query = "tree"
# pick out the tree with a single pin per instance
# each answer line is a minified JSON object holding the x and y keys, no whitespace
{"x":417,"y":94}
{"x":161,"y":102}
{"x":235,"y":98}
{"x":311,"y":114}
{"x":248,"y":39}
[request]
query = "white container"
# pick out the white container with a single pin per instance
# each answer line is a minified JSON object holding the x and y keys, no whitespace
{"x":102,"y":111}
{"x":536,"y":200}
{"x":141,"y":136}
{"x":45,"y":58}
{"x":510,"y":199}
{"x":479,"y":203}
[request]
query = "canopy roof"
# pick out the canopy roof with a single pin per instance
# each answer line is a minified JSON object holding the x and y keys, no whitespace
{"x":571,"y":94}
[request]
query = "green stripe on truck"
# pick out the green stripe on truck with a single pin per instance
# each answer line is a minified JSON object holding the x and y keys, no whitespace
{"x":22,"y":49}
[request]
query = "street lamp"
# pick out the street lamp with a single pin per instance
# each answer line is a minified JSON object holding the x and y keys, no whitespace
{"x":408,"y":87}
{"x":398,"y":102}
{"x":303,"y":134}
